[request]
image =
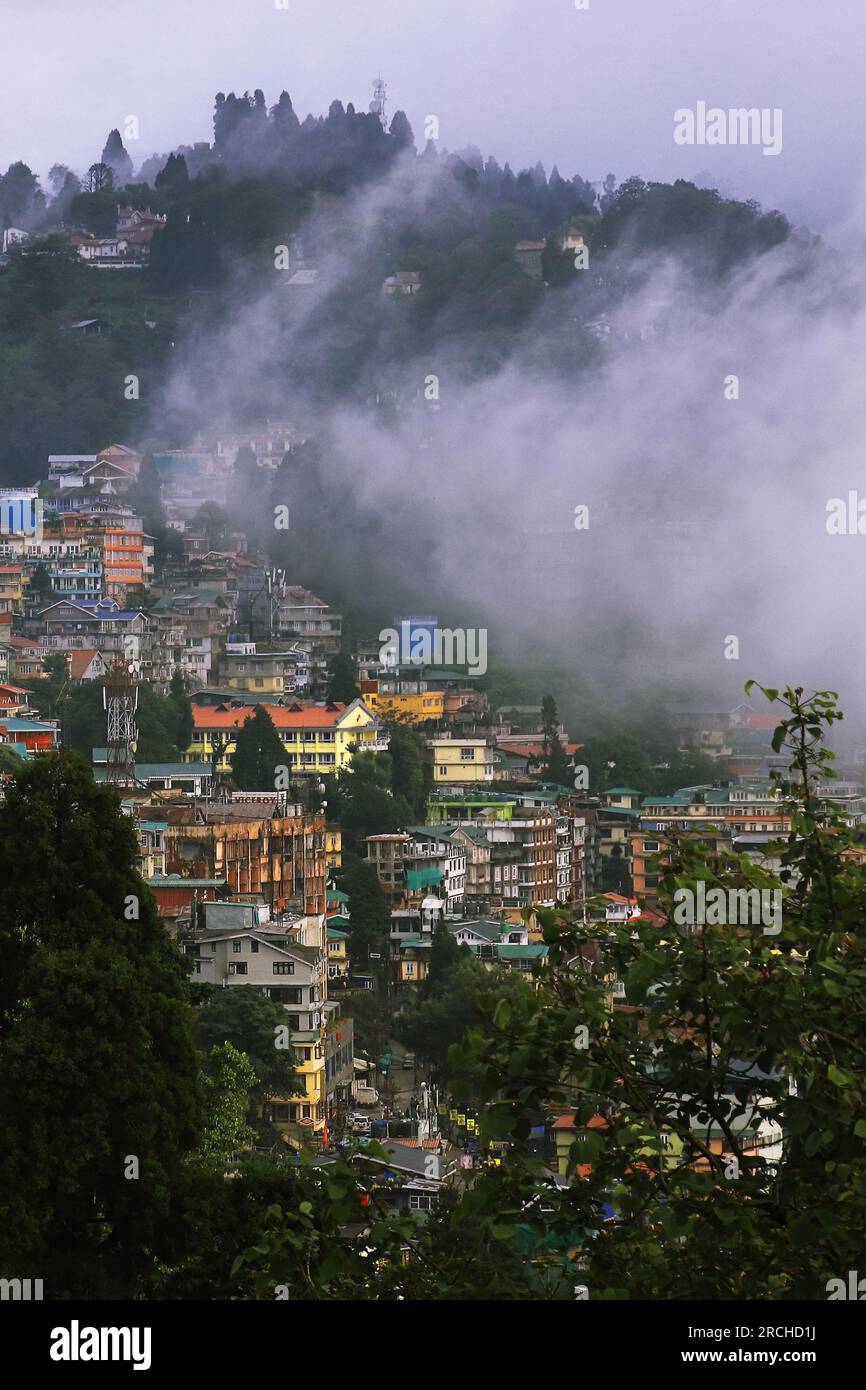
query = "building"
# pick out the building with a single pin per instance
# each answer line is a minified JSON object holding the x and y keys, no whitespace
{"x":243,"y":667}
{"x":459,"y":760}
{"x":318,"y":739}
{"x":254,"y":850}
{"x":527,"y":254}
{"x":417,"y":863}
{"x":338,"y":955}
{"x":419,"y":707}
{"x":403,"y":282}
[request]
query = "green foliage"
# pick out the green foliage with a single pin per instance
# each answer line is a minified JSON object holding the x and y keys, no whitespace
{"x":370,"y":917}
{"x":226,"y":1083}
{"x":342,"y":679}
{"x":248,"y":1020}
{"x":730,"y":1028}
{"x":258,"y":753}
{"x":97,"y":1061}
{"x":411,"y":774}
{"x":556,"y":763}
{"x":616,"y":761}
{"x":179,"y":698}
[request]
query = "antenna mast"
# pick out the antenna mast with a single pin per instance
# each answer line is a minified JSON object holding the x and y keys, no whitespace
{"x":120,"y":702}
{"x":377,"y":105}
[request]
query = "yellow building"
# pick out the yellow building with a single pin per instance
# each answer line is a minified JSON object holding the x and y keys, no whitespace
{"x":333,"y":847}
{"x":456,"y":760}
{"x":317,"y":738}
{"x":338,"y":951}
{"x":11,"y":588}
{"x":418,"y":706}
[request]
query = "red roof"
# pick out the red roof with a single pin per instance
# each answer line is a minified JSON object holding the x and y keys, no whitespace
{"x":79,"y":662}
{"x":534,"y":748}
{"x":308,"y":717}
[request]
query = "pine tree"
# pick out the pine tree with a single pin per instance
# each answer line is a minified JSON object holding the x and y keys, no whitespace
{"x":342,"y":683}
{"x":555,"y":760}
{"x":258,"y":753}
{"x":181,"y":701}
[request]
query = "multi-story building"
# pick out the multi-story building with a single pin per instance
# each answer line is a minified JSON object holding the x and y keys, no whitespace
{"x":281,"y":857}
{"x":420,"y":707}
{"x":11,"y":588}
{"x":205,"y":615}
{"x":479,"y":861}
{"x":459,"y":760}
{"x":418,"y":862}
{"x":716,"y":814}
{"x":533,"y":832}
{"x":293,"y":613}
{"x":97,"y":625}
{"x":317,"y":738}
{"x":242,"y":666}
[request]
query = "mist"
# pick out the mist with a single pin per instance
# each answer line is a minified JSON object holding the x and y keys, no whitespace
{"x":706,"y":436}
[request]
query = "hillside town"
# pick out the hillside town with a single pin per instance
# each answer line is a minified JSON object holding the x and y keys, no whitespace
{"x":432,"y":767}
{"x":246,"y":877}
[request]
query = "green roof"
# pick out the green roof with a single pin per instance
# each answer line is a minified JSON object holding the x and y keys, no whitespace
{"x":335,"y":895}
{"x":473,"y":832}
{"x":336,"y":935}
{"x":622,"y":791}
{"x":534,"y":951}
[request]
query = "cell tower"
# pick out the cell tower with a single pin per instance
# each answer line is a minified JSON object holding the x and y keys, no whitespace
{"x":120,"y":702}
{"x":377,"y":105}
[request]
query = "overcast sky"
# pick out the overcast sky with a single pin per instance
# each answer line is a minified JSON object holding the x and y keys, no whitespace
{"x":593,"y":90}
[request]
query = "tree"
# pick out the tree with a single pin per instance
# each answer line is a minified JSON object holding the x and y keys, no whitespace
{"x":174,"y":177}
{"x":40,"y":585}
{"x":411,"y":774}
{"x":249,"y":1020}
{"x":401,"y":131}
{"x":616,"y":760}
{"x":556,"y":767}
{"x":342,"y":680}
{"x":258,"y":753}
{"x":720,"y":1117}
{"x":369,"y":916}
{"x":226,"y":1083}
{"x":100,"y":177}
{"x":216,"y":523}
{"x":98,"y":1071}
{"x":115,"y":157}
{"x":19,"y":190}
{"x":180,"y":699}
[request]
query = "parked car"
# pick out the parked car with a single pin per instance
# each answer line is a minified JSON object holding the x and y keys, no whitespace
{"x":409,"y":1061}
{"x":360,"y":1124}
{"x":364,"y":1095}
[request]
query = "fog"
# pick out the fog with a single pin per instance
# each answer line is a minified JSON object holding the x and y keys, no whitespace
{"x":593,"y":91}
{"x":707,"y":498}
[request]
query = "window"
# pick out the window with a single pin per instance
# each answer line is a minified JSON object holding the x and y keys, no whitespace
{"x":466,"y":755}
{"x":284,"y":967}
{"x":236,"y":947}
{"x":254,"y":947}
{"x":237,"y":967}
